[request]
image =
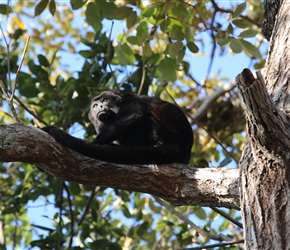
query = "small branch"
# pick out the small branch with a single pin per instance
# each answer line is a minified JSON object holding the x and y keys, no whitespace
{"x":209,"y":100}
{"x":231,"y":12}
{"x":233,"y":242}
{"x":108,"y":56}
{"x":222,"y":213}
{"x":10,"y":103}
{"x":188,"y":221}
{"x":143,"y":78}
{"x":89,"y":203}
{"x":18,"y":70}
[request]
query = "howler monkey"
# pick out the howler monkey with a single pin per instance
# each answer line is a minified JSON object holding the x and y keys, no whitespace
{"x":133,"y":129}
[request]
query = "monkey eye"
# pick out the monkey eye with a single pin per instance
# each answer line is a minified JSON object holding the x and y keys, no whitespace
{"x":95,"y":105}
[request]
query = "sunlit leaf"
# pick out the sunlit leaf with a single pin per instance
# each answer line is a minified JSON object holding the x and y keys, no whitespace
{"x":125,"y":54}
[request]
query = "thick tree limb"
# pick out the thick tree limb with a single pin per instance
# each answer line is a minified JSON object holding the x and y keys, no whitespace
{"x":177,"y":183}
{"x":264,"y":167}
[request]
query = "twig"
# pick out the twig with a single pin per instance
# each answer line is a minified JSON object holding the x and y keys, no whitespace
{"x":92,"y":196}
{"x":143,"y":79}
{"x":14,"y":114}
{"x":72,"y":218}
{"x":18,"y":70}
{"x":222,"y":213}
{"x":8,"y":55}
{"x":214,"y":245}
{"x":108,"y":54}
{"x":28,"y":110}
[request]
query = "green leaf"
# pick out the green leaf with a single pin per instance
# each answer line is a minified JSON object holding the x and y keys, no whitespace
{"x":28,"y":89}
{"x":93,"y":16}
{"x":236,"y":45}
{"x":5,"y":9}
{"x":52,"y":7}
{"x":43,"y":60}
{"x":223,"y":41}
{"x":125,"y":54}
{"x":142,"y":229}
{"x":174,"y":49}
{"x":177,"y":33}
{"x":74,"y":188}
{"x":77,"y":4}
{"x":87,"y":53}
{"x":142,"y":31}
{"x":230,"y":28}
{"x":239,"y":9}
{"x":147,"y":51}
{"x":148,"y":12}
{"x":250,"y":48}
{"x":241,"y":23}
{"x":248,"y":33}
{"x":133,"y":40}
{"x":198,"y":211}
{"x":107,"y":9}
{"x":40,"y":7}
{"x":122,"y":12}
{"x":168,"y":68}
{"x":192,"y":47}
{"x":131,"y":19}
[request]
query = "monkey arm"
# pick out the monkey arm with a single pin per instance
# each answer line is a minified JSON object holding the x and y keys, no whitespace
{"x":119,"y":154}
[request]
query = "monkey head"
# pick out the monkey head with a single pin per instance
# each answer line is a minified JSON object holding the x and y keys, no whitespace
{"x":104,"y":109}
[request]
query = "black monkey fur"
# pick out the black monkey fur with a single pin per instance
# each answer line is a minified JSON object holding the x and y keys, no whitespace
{"x":133,"y":129}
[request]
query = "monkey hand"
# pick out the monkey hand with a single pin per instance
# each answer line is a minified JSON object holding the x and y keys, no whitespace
{"x":58,"y":134}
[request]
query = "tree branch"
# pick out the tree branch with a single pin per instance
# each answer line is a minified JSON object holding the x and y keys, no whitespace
{"x":176,"y":183}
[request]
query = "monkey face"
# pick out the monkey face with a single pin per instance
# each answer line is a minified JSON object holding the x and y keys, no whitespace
{"x":105,"y":107}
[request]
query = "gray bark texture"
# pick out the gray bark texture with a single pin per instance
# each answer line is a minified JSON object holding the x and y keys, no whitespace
{"x":180,"y":184}
{"x":271,"y":8}
{"x":265,"y":163}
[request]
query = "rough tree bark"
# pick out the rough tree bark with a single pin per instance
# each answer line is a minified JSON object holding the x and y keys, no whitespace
{"x":177,"y":183}
{"x":265,"y":164}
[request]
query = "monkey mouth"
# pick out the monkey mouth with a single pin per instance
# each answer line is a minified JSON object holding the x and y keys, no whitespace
{"x":103,"y":115}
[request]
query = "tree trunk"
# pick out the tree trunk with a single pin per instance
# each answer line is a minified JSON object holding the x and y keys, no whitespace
{"x":265,"y":164}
